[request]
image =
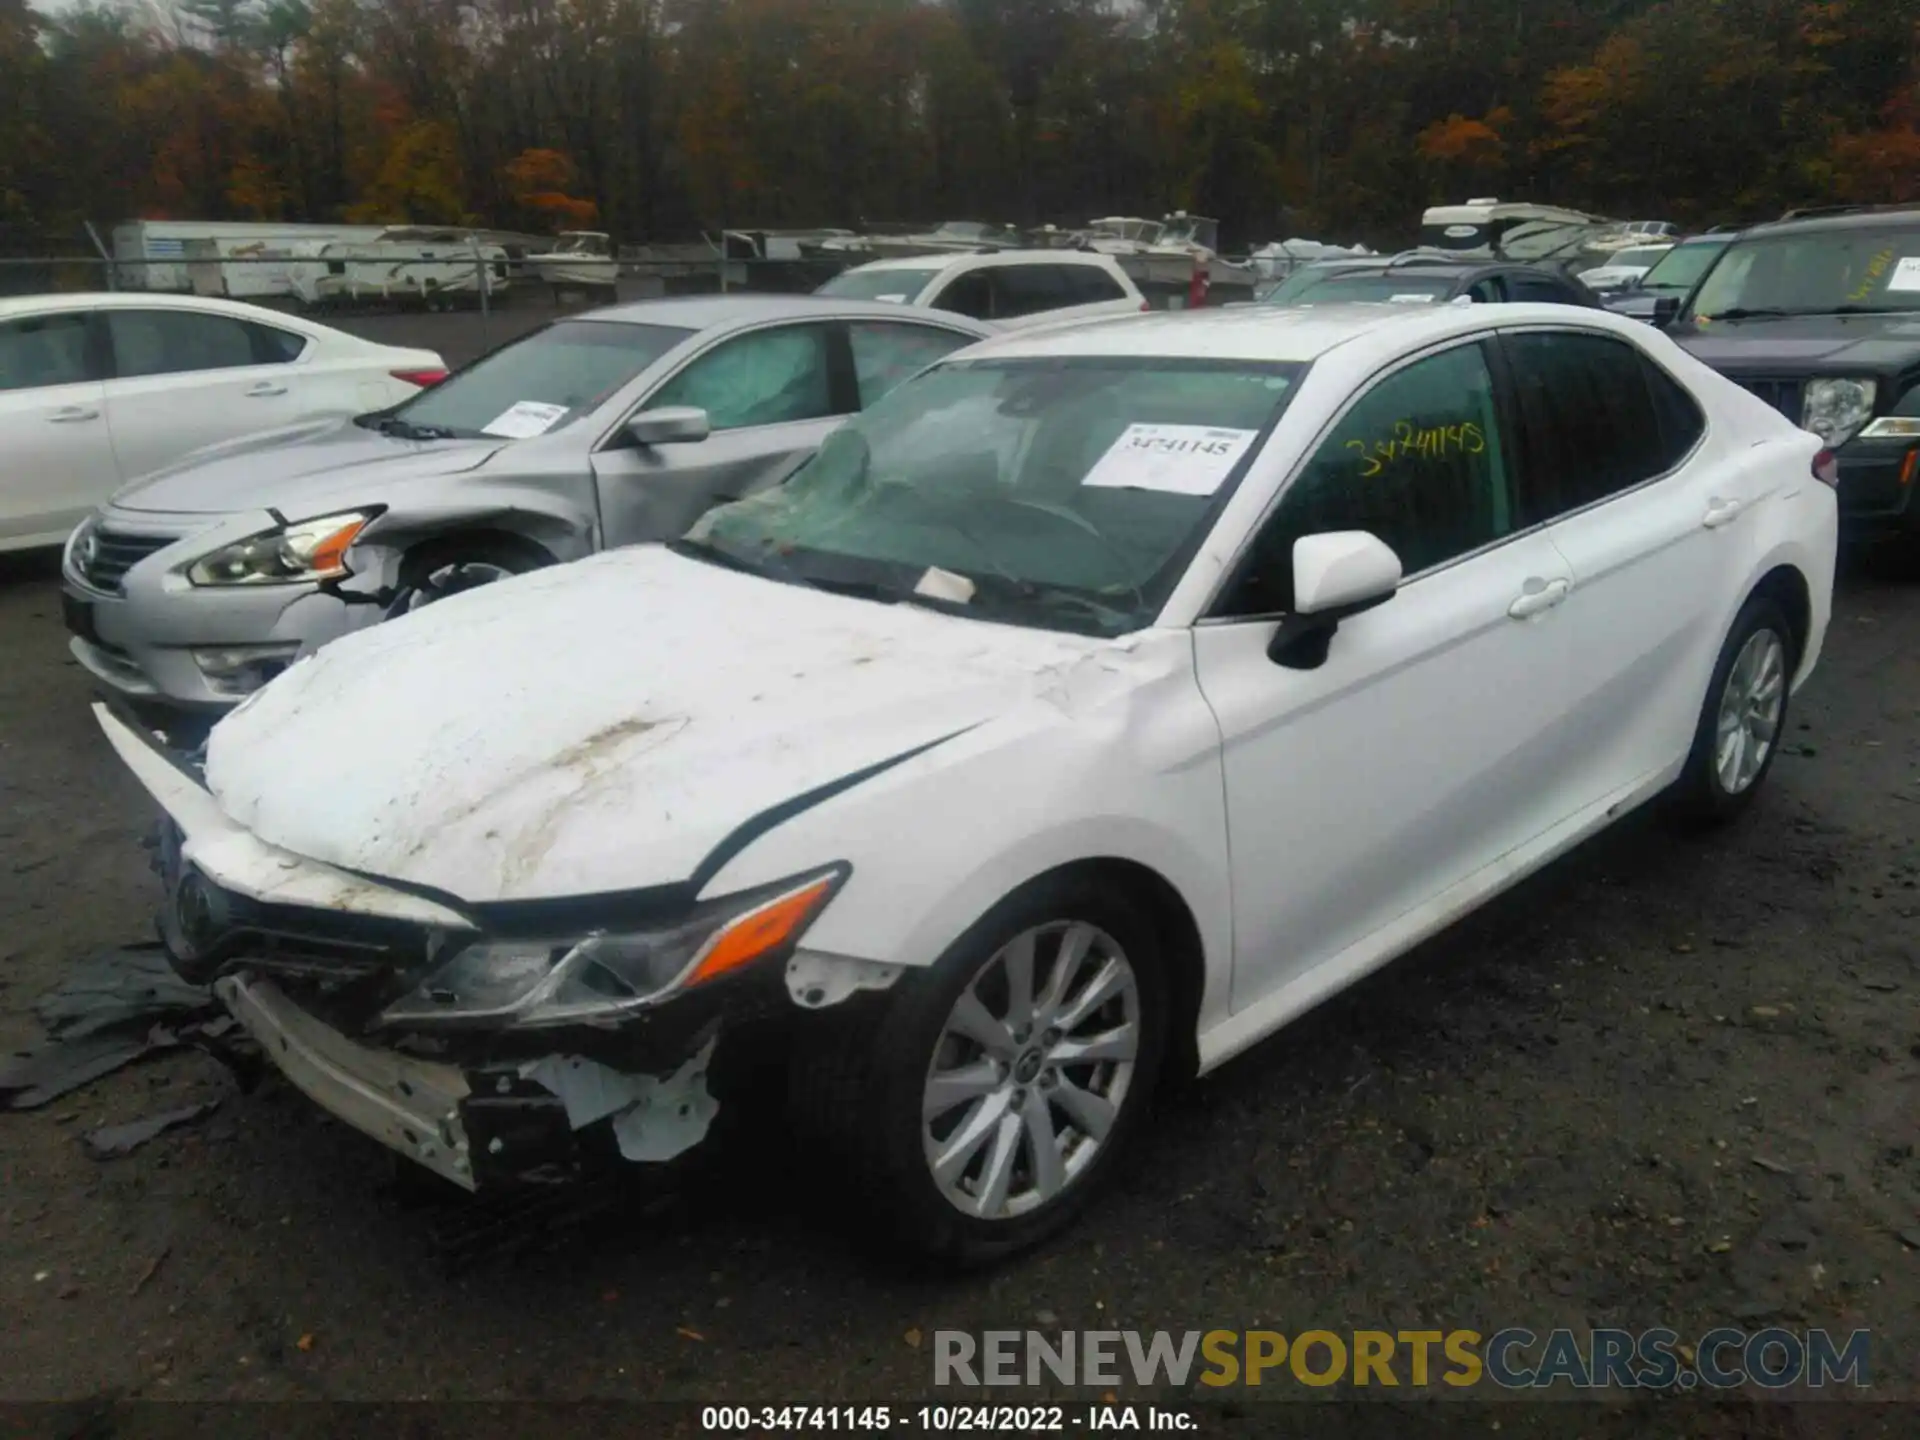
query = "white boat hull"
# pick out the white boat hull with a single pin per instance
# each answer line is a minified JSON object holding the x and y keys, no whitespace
{"x":587,"y":272}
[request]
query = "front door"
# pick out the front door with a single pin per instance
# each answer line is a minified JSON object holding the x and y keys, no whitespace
{"x":1425,"y":746}
{"x":772,"y":396}
{"x":56,"y":460}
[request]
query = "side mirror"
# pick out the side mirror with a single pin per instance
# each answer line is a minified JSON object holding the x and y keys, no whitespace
{"x":670,"y":425}
{"x":1336,"y":575}
{"x":1664,"y":310}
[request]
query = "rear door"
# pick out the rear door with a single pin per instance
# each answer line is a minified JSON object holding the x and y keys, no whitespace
{"x":772,"y":395}
{"x":1037,"y":294}
{"x":56,"y":458}
{"x":184,"y":378}
{"x":1652,"y":527}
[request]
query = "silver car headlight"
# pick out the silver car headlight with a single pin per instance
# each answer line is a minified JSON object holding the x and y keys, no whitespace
{"x":597,"y":977}
{"x":1836,"y":408}
{"x":302,"y":552}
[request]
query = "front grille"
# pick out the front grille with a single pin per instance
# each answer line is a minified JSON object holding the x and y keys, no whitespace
{"x":115,"y":553}
{"x":1782,"y":395}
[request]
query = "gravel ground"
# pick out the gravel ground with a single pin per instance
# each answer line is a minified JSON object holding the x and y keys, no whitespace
{"x":1666,"y":1082}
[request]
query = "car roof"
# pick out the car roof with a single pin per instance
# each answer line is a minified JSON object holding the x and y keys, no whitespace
{"x":984,"y":257}
{"x":702,"y":312}
{"x":1264,"y":332}
{"x":1865,"y":218}
{"x":142,"y":300}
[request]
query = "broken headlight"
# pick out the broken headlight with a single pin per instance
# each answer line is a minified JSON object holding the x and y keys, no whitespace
{"x":308,"y":550}
{"x":599,"y":976}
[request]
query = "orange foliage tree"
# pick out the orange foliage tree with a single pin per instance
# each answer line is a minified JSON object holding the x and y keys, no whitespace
{"x":537,"y":181}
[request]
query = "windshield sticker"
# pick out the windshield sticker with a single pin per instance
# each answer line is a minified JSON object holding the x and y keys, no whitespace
{"x":892,"y":299}
{"x":1906,"y":275}
{"x":1177,"y":459}
{"x":1410,"y":299}
{"x":524,"y":420}
{"x":1876,"y":267}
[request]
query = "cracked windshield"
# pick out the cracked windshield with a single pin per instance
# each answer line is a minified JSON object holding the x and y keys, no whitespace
{"x":1065,"y":494}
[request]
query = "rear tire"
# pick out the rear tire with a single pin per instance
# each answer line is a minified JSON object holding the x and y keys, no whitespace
{"x":938,"y":1135}
{"x":1742,"y":718}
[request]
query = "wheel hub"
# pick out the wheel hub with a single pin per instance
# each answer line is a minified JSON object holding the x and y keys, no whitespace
{"x":1027,"y":1068}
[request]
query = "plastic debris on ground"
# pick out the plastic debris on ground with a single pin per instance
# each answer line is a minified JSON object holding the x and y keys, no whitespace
{"x":110,"y":1011}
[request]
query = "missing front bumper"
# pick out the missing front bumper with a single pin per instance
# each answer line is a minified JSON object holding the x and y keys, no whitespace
{"x":542,"y":1121}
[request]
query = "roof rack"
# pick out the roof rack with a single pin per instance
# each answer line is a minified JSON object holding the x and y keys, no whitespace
{"x":1809,"y":212}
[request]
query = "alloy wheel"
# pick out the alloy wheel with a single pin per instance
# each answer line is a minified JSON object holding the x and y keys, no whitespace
{"x":1750,"y":708}
{"x":1031,"y":1070}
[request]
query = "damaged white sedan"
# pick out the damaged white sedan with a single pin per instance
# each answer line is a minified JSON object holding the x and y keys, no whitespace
{"x":1087,"y":709}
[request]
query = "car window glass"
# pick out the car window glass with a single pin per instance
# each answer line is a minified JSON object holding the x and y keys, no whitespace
{"x":1090,"y":285}
{"x":1682,"y":422}
{"x":273,"y":346}
{"x":43,"y":350}
{"x":545,"y":380}
{"x":1418,"y":461}
{"x":1541,"y":289}
{"x":1395,"y":286}
{"x":1593,"y":429}
{"x":176,"y":342}
{"x":769,"y":377}
{"x":897,"y":286}
{"x":967,"y":294}
{"x":1487,"y":292}
{"x":1031,"y":289}
{"x":884,"y":355}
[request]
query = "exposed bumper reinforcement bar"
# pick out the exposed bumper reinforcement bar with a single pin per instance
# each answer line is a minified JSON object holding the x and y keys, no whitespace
{"x":408,"y":1105}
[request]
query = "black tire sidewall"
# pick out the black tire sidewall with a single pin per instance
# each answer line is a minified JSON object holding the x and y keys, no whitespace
{"x":1704,"y":797}
{"x":430,"y":557}
{"x":915,"y":1208}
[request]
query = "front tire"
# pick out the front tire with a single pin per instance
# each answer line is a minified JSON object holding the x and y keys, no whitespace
{"x":983,"y":1104}
{"x":1743,"y":718}
{"x":434,"y":572}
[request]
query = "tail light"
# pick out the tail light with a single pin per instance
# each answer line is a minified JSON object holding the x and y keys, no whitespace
{"x":422,"y":378}
{"x":1146,"y":306}
{"x":1826,"y":468}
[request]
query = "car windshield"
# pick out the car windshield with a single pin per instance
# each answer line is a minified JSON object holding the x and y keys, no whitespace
{"x":1639,"y":256}
{"x":1395,"y":286}
{"x":1677,"y":270}
{"x":1839,"y":271}
{"x":896,"y":285}
{"x":1064,"y":493}
{"x":540,"y":383}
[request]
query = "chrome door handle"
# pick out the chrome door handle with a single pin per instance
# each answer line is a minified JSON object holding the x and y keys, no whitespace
{"x":265,"y":388}
{"x":1722,"y":512}
{"x":1532,"y":602}
{"x":68,"y":414}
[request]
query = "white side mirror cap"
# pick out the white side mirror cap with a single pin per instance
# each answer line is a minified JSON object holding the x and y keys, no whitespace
{"x":1342,"y":568}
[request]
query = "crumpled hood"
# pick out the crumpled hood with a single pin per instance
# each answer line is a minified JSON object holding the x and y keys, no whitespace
{"x":602,"y":725}
{"x":288,"y":468}
{"x":1828,"y":344}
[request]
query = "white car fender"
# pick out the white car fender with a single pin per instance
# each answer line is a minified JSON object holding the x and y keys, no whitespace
{"x":1153,"y":798}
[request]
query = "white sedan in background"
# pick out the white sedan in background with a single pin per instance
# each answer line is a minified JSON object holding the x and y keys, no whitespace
{"x":97,"y":390}
{"x":1089,"y":707}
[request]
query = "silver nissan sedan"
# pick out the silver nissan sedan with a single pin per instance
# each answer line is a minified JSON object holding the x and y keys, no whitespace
{"x":194,"y":586}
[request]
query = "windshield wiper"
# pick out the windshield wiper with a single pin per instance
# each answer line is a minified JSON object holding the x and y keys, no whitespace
{"x":1740,"y":312}
{"x":407,"y":430}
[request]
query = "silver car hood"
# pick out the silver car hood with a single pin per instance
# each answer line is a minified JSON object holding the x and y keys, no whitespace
{"x":603,"y":725}
{"x":282,"y":468}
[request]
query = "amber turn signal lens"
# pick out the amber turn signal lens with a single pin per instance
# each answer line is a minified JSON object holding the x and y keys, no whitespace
{"x":759,"y":931}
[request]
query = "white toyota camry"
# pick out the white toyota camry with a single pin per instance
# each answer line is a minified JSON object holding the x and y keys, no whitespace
{"x":1087,"y":709}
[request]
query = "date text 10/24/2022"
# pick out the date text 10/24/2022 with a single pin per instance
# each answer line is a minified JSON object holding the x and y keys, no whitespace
{"x":963,"y":1419}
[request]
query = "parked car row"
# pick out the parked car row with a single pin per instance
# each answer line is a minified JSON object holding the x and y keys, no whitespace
{"x":998,"y":724}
